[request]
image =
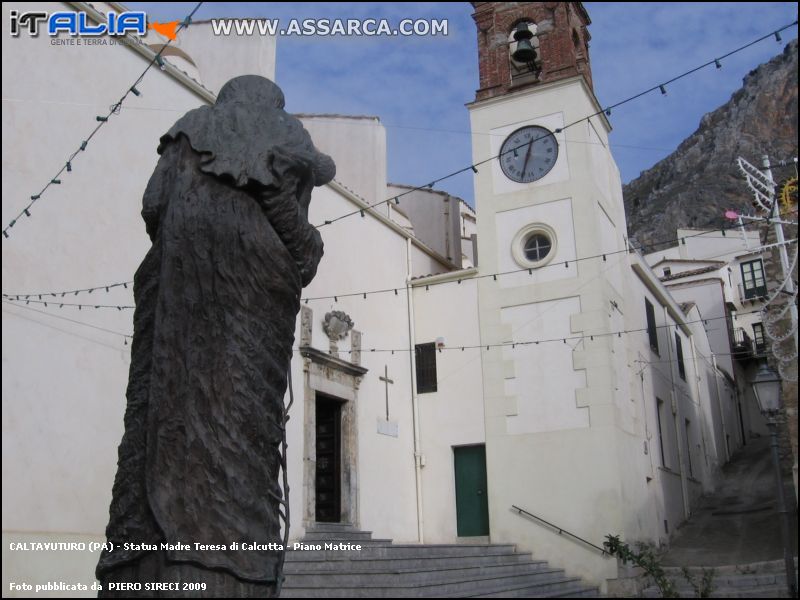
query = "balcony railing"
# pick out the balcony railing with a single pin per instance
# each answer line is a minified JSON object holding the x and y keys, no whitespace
{"x":744,"y":347}
{"x":753,"y":293}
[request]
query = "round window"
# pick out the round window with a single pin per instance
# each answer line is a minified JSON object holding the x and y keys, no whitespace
{"x":537,"y":246}
{"x":534,"y":245}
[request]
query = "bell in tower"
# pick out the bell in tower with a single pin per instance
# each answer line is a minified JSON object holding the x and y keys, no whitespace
{"x":525,"y":43}
{"x":524,"y":52}
{"x":522,"y":46}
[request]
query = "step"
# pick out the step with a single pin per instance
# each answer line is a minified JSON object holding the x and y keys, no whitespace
{"x":385,"y":549}
{"x":544,"y":583}
{"x":578,"y":591}
{"x":771,"y":566}
{"x":753,"y":592}
{"x":315,"y":535}
{"x":348,"y":576}
{"x":335,"y":545}
{"x":325,"y":526}
{"x":388,"y":564}
{"x":512,"y":589}
{"x":725,"y":581}
{"x":565,"y":591}
{"x":500,"y":586}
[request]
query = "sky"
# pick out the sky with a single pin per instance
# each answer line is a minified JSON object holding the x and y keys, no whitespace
{"x":419,"y":86}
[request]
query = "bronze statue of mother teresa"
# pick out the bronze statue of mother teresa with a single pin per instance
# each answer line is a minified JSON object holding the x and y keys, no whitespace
{"x":216,"y":297}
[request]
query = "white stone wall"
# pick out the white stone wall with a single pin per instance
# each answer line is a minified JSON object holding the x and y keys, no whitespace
{"x":453,"y":415}
{"x":580,"y":417}
{"x":64,"y":383}
{"x":358,"y":146}
{"x":234,"y":54}
{"x":364,"y":255}
{"x":553,"y":412}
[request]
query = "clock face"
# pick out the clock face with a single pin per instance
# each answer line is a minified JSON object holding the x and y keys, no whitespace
{"x":528,"y":154}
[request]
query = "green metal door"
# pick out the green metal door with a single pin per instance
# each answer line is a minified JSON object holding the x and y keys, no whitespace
{"x":472,"y":506}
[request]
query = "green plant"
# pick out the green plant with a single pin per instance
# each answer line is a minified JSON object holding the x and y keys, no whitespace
{"x":646,"y":558}
{"x":706,"y":586}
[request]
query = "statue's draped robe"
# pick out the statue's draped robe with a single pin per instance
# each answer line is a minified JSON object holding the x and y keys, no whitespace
{"x":216,"y":301}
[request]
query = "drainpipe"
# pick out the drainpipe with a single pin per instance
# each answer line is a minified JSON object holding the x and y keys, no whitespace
{"x":676,"y":419}
{"x":412,"y":366}
{"x":721,"y":409}
{"x":698,"y":400}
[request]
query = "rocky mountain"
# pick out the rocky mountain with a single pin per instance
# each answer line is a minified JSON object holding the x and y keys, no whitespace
{"x":694,"y":185}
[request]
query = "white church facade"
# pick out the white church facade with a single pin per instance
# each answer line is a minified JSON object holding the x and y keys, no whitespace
{"x":451,"y":364}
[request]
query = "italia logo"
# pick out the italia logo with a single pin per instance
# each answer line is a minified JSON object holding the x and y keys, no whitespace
{"x":78,"y":23}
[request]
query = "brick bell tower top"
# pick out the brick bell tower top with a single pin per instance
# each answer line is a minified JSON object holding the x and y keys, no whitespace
{"x":559,"y":38}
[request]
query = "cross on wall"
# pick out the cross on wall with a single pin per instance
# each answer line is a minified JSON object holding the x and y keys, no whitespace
{"x":387,"y":381}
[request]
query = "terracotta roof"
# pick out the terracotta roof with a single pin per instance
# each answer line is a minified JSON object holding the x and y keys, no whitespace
{"x":690,"y":273}
{"x":688,"y":260}
{"x":442,"y":273}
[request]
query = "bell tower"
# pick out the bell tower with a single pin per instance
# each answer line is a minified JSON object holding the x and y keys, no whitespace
{"x":560,"y":40}
{"x":551,"y":219}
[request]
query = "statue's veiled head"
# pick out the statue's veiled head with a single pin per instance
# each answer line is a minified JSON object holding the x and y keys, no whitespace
{"x":252,"y":89}
{"x":248,"y":137}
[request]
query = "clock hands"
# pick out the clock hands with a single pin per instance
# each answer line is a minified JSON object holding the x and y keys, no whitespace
{"x":527,"y":156}
{"x":515,"y":167}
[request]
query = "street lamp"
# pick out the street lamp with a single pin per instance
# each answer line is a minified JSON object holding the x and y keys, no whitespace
{"x":767,"y":388}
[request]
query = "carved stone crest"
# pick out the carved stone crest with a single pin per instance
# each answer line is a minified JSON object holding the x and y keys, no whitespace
{"x":336,"y":325}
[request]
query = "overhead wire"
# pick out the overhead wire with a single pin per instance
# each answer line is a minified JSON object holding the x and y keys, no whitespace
{"x":101,"y":121}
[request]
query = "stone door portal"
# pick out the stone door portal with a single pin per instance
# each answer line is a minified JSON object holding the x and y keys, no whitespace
{"x":327,"y":479}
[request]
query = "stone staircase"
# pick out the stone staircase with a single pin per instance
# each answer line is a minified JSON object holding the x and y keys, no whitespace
{"x":382,"y":569}
{"x":755,"y":580}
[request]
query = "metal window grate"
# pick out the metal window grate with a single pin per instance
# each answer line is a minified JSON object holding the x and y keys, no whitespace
{"x":659,"y":406}
{"x":679,"y":352}
{"x":652,"y":332}
{"x":758,"y":338}
{"x":426,"y":367}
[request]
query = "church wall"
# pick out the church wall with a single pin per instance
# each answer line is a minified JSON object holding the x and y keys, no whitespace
{"x":423,"y":264}
{"x":243,"y":54}
{"x":453,"y":415}
{"x":581,"y":416}
{"x":358,"y":146}
{"x":63,"y":383}
{"x":362,"y":255}
{"x":556,"y":214}
{"x":544,"y":379}
{"x":573,"y":448}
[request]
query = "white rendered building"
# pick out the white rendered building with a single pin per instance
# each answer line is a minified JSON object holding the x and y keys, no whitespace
{"x":584,"y":390}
